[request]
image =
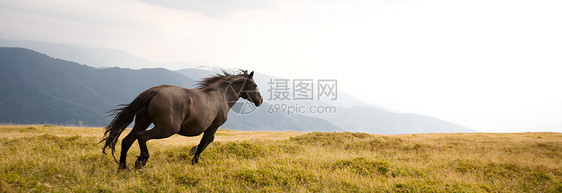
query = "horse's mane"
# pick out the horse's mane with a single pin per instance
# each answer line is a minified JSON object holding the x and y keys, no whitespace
{"x":212,"y":82}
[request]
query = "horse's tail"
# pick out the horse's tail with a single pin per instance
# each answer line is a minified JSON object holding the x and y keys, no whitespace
{"x":123,"y":117}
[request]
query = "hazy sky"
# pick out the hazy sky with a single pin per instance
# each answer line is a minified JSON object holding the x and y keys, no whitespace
{"x":490,"y":65}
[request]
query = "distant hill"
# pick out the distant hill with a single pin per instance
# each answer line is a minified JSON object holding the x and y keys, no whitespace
{"x":38,"y":89}
{"x":372,"y":120}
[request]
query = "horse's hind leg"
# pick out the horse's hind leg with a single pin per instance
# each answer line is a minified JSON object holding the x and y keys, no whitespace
{"x":141,"y":160}
{"x":140,"y":125}
{"x":154,"y":133}
{"x":125,"y":145}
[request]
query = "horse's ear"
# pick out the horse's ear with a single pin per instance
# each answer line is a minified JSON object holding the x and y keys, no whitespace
{"x":251,"y":74}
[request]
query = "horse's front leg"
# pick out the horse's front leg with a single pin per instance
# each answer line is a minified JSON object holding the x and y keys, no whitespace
{"x":208,"y":137}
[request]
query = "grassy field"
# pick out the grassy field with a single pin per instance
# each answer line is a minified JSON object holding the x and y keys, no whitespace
{"x":65,"y":159}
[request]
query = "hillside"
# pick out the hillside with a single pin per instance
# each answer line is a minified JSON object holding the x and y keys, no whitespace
{"x":62,"y":159}
{"x":39,"y":89}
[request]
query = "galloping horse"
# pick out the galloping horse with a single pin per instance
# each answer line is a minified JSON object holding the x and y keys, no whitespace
{"x":176,"y":110}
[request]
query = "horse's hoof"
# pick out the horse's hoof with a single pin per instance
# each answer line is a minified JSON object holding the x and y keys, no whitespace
{"x":123,"y":168}
{"x":138,"y":165}
{"x":193,"y":151}
{"x":195,"y":160}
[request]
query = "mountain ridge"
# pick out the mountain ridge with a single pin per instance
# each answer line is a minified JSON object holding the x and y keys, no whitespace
{"x":79,"y":92}
{"x":44,"y":90}
{"x":41,"y":89}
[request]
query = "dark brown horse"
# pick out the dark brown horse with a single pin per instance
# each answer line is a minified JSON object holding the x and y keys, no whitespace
{"x":176,"y":110}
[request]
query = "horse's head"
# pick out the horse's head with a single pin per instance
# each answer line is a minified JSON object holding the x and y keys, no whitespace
{"x":250,"y":90}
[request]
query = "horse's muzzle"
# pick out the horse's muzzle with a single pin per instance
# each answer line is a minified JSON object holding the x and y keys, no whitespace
{"x":258,"y":101}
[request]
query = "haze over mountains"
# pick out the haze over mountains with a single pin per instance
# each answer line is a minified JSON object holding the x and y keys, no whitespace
{"x":94,"y":57}
{"x":39,"y":89}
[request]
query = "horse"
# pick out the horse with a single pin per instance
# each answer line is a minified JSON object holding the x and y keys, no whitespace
{"x":176,"y":110}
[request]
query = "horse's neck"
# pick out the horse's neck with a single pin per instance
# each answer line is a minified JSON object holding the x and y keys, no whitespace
{"x":229,"y":94}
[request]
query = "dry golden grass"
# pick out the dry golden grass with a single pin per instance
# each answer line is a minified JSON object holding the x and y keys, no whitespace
{"x":68,"y":159}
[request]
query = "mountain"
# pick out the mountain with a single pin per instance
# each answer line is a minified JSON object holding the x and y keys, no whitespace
{"x":95,"y":57}
{"x":38,"y":89}
{"x":372,"y":120}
